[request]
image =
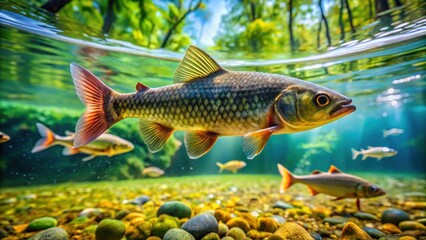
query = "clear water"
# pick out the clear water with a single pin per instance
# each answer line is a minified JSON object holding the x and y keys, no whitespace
{"x":384,"y":74}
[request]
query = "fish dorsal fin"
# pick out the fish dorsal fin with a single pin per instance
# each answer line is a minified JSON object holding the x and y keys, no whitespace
{"x":196,"y":64}
{"x":334,"y":169}
{"x":316,"y":172}
{"x":140,"y":87}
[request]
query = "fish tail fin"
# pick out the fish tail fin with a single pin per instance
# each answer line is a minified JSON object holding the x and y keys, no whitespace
{"x":95,"y":95}
{"x":48,"y":138}
{"x":288,"y":178}
{"x":221,"y":166}
{"x":355,"y":153}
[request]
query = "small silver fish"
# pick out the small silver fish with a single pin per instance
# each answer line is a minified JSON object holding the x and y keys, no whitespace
{"x":392,"y":132}
{"x":4,"y":137}
{"x":106,"y":145}
{"x":232,"y":166}
{"x":334,"y":183}
{"x":152,"y":172}
{"x":374,"y":152}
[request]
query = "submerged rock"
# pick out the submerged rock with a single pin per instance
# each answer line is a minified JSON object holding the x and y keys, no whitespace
{"x":335,"y":220}
{"x":42,"y":223}
{"x":175,"y":209}
{"x":411,"y":225}
{"x":236,"y":233}
{"x":351,"y":231}
{"x":211,"y":236}
{"x":366,"y":216}
{"x":240,"y":223}
{"x":282,"y":205}
{"x":141,"y":200}
{"x":201,"y":225}
{"x":110,"y":229}
{"x":54,"y":233}
{"x":375,"y":233}
{"x":294,"y":231}
{"x":163,"y":224}
{"x":394,"y":216}
{"x":177,"y":233}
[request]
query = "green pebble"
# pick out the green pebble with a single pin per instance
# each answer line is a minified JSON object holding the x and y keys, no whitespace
{"x":41,"y":224}
{"x":110,"y":229}
{"x":80,"y":220}
{"x":91,"y":229}
{"x":175,"y":209}
{"x":211,"y":236}
{"x":411,"y":225}
{"x":366,"y":216}
{"x":163,"y":224}
{"x":335,"y":220}
{"x":223,"y":229}
{"x":236,"y":233}
{"x":54,"y":233}
{"x":177,"y":233}
{"x":3,"y":233}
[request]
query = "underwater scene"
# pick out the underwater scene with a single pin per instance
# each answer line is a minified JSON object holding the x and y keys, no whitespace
{"x":205,"y":119}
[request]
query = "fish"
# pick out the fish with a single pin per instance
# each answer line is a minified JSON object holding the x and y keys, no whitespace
{"x":105,"y":145}
{"x":392,"y":132}
{"x":4,"y":137}
{"x":207,"y":101}
{"x":374,"y":152}
{"x":232,"y":166}
{"x":334,"y":183}
{"x":152,"y":172}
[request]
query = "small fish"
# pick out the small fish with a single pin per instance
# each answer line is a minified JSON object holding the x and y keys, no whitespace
{"x":374,"y":152}
{"x":334,"y":183}
{"x":152,"y":172}
{"x":232,"y":166}
{"x":392,"y":132}
{"x":106,"y":145}
{"x":207,"y":102}
{"x":4,"y":137}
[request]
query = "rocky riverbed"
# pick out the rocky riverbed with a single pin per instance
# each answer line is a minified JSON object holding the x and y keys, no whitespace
{"x":209,"y":207}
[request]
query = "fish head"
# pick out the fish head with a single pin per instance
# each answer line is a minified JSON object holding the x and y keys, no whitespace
{"x":389,"y":151}
{"x":122,"y":147}
{"x":303,"y":107}
{"x":368,"y":190}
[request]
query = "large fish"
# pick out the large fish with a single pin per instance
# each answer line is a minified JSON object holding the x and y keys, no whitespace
{"x":208,"y":101}
{"x":334,"y":183}
{"x":374,"y":152}
{"x":106,"y":145}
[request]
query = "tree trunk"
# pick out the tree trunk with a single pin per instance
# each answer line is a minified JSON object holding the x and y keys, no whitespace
{"x":370,"y":8}
{"x":327,"y":30}
{"x":381,"y":5}
{"x":342,"y":26}
{"x":109,"y":17}
{"x":54,"y":6}
{"x":351,"y":22}
{"x":290,"y":25}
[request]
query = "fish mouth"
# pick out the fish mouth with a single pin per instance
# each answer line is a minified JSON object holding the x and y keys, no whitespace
{"x":343,"y":108}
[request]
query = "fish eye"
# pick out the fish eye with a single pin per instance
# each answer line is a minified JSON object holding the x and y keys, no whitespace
{"x":373,"y":188}
{"x":322,"y":100}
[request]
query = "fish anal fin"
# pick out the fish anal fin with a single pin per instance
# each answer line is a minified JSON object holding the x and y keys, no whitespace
{"x":334,"y":169}
{"x":69,"y":151}
{"x":155,"y":135}
{"x":312,"y":191}
{"x":90,"y":157}
{"x":254,"y":142}
{"x":141,"y":87}
{"x":196,"y":64}
{"x":316,"y":172}
{"x":364,"y":157}
{"x":198,"y":143}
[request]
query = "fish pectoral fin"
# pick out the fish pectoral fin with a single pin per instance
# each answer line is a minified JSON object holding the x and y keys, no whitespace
{"x":334,"y":169}
{"x":199,"y":143}
{"x":90,"y":157}
{"x":196,"y":64}
{"x":312,"y":191}
{"x":154,"y":134}
{"x":254,"y":142}
{"x":67,"y":151}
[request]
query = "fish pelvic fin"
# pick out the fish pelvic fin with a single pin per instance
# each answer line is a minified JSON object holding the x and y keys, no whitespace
{"x":288,"y":178}
{"x":198,"y":143}
{"x":221,"y":167}
{"x":312,"y":191}
{"x":48,"y":138}
{"x":95,"y":95}
{"x":67,"y":151}
{"x":355,"y":153}
{"x":154,"y":134}
{"x":364,"y":157}
{"x":254,"y":142}
{"x":90,"y":157}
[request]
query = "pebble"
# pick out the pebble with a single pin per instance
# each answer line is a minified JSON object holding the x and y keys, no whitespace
{"x":42,"y":223}
{"x":267,"y":224}
{"x":54,"y":233}
{"x":211,"y":236}
{"x":279,"y":219}
{"x":110,"y":229}
{"x":201,"y":225}
{"x":175,"y":209}
{"x":411,"y":225}
{"x":236,"y":233}
{"x":394,"y":216}
{"x":351,"y":231}
{"x":294,"y":231}
{"x":374,"y":233}
{"x":222,"y":216}
{"x":366,"y":216}
{"x":89,"y":212}
{"x":176,"y":233}
{"x":282,"y":205}
{"x":238,"y":222}
{"x":391,"y":228}
{"x":163,"y":224}
{"x":223,"y":229}
{"x":141,"y":200}
{"x":335,"y":220}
